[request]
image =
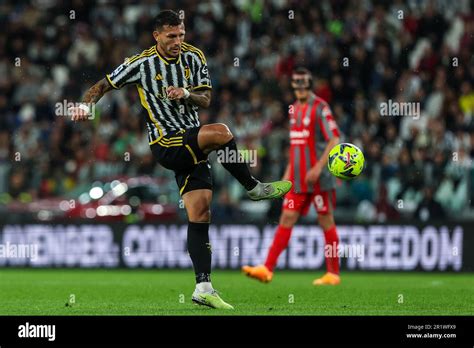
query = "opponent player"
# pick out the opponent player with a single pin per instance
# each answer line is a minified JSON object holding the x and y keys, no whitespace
{"x":173,"y":81}
{"x":313,"y":133}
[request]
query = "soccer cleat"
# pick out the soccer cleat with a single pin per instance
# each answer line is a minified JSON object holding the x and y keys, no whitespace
{"x":276,"y":189}
{"x":210,"y":299}
{"x":261,"y":273}
{"x":328,"y":279}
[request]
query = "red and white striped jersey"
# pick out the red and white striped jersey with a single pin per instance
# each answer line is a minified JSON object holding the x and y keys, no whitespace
{"x":312,"y":125}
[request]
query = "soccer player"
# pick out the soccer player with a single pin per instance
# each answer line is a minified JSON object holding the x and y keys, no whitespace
{"x":313,"y":133}
{"x":173,"y":82}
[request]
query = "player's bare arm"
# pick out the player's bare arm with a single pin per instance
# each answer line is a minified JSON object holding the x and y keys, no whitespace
{"x":313,"y":174}
{"x":92,"y":95}
{"x":96,"y":92}
{"x":286,"y":175}
{"x":199,"y":98}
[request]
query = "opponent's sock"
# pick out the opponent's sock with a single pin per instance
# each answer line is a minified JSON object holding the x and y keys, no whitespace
{"x":280,"y":242}
{"x":332,"y":241}
{"x":240,"y":171}
{"x":199,"y":249}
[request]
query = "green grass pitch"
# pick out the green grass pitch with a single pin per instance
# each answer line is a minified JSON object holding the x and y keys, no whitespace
{"x":165,"y":292}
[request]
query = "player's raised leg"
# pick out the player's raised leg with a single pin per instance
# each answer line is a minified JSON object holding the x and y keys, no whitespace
{"x":197,"y":203}
{"x":264,"y":272}
{"x":332,"y":277}
{"x":217,"y":136}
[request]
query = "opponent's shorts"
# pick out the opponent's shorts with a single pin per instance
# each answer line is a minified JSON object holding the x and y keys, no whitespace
{"x":324,"y":201}
{"x":180,"y":152}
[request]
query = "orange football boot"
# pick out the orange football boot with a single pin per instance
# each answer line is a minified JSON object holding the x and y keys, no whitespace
{"x":261,"y":273}
{"x":328,"y":279}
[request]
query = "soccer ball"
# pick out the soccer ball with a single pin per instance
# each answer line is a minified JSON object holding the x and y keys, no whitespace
{"x":346,"y":161}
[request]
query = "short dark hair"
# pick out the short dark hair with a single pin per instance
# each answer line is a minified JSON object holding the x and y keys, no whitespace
{"x":166,"y":17}
{"x":301,"y":71}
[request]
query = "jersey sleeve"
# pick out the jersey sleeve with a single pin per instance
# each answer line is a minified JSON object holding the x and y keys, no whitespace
{"x":326,"y":122}
{"x":202,"y":79}
{"x":126,"y":73}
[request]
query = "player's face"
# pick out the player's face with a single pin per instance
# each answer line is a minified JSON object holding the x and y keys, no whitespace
{"x":301,"y":86}
{"x":170,"y":38}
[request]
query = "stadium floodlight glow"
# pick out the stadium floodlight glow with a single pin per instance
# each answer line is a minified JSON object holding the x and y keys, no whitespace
{"x":96,"y":192}
{"x":84,"y":198}
{"x":109,"y":210}
{"x":113,"y":210}
{"x":135,"y":201}
{"x":90,"y":213}
{"x":120,"y":189}
{"x":64,"y":205}
{"x":102,"y":210}
{"x":157,"y":209}
{"x":125,"y":210}
{"x":44,"y":215}
{"x":114,"y":183}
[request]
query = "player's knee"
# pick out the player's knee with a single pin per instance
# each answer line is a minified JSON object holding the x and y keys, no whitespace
{"x":288,"y":220}
{"x":223,"y":132}
{"x":200,"y":211}
{"x":200,"y":215}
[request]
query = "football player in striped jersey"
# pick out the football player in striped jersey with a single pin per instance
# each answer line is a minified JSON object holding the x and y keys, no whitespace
{"x":173,"y":82}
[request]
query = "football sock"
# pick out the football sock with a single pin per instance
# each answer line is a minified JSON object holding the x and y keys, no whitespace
{"x":280,"y":242}
{"x":332,"y":259}
{"x":199,"y":249}
{"x":204,"y":287}
{"x":240,"y":171}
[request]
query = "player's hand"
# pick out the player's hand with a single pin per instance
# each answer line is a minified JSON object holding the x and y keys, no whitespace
{"x":175,"y":92}
{"x":78,"y":114}
{"x":313,"y":174}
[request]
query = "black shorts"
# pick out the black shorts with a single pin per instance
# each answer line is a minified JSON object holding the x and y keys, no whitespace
{"x":180,"y":152}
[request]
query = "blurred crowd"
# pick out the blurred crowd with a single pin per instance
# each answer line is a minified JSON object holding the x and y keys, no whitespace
{"x":362,"y":53}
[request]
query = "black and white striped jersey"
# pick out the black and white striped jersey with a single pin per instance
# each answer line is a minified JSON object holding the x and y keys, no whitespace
{"x":152,"y":74}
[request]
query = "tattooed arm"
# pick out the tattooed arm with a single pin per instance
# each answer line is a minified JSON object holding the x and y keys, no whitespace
{"x":199,"y":98}
{"x":92,"y":96}
{"x":96,"y":92}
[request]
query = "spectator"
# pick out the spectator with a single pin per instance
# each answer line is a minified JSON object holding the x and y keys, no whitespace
{"x":251,"y":48}
{"x":429,"y":209}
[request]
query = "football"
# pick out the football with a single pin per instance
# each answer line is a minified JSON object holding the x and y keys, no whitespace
{"x":346,"y":161}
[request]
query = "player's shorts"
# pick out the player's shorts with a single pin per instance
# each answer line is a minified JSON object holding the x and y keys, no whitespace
{"x":180,"y":152}
{"x":324,"y":201}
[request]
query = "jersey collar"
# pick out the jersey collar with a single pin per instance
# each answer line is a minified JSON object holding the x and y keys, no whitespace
{"x":311,"y":98}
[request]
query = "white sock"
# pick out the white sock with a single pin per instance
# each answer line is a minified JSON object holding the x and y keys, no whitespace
{"x":204,"y":287}
{"x":257,"y":189}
